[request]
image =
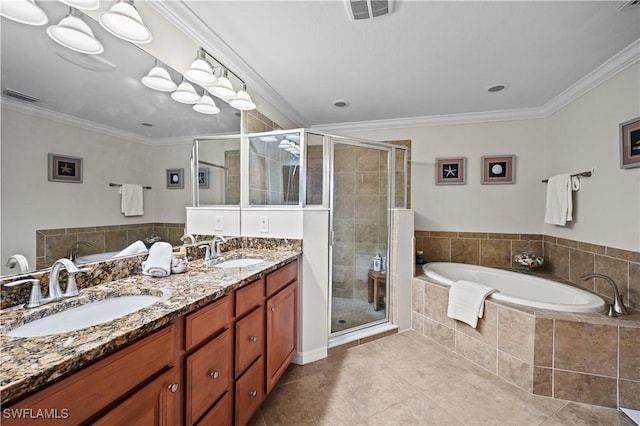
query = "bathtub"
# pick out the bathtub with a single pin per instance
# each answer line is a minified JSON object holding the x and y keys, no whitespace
{"x":518,"y":288}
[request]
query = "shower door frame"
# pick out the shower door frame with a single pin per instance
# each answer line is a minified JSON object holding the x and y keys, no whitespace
{"x":331,"y":140}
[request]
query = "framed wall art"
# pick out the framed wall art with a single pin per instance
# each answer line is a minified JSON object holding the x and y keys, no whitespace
{"x":203,"y":177}
{"x":498,"y":169}
{"x":175,"y":178}
{"x":630,"y":144}
{"x":451,"y":171}
{"x":63,"y":168}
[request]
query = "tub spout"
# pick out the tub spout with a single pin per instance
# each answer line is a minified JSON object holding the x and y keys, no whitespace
{"x":618,"y":306}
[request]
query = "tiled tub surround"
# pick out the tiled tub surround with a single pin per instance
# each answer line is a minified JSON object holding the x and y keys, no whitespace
{"x":52,"y":244}
{"x":586,"y":358}
{"x":116,"y":269}
{"x":566,"y":259}
{"x":27,"y":363}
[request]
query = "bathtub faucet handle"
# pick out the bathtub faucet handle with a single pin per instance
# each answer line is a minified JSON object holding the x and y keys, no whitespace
{"x":618,"y":306}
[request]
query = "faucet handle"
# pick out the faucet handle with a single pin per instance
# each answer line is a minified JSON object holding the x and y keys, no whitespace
{"x":207,"y":253}
{"x":72,"y":287}
{"x":35,"y":298}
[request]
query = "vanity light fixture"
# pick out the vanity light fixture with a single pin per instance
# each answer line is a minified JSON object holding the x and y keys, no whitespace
{"x":185,"y":94}
{"x":23,"y":11}
{"x":284,"y":143}
{"x":159,"y":79}
{"x":124,"y":21}
{"x":243,"y":101}
{"x":200,"y":72}
{"x":206,"y":105}
{"x":222,"y":88}
{"x":82,"y":4}
{"x":73,"y":33}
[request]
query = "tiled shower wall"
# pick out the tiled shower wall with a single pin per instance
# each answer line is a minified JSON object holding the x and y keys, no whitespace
{"x":566,"y":259}
{"x":360,"y":217}
{"x":53,"y":244}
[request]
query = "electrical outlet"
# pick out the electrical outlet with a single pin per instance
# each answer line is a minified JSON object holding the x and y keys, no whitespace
{"x":264,"y":224}
{"x":218,"y":223}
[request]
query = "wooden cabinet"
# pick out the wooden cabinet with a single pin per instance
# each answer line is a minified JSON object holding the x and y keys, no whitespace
{"x":153,"y":405}
{"x":281,"y":333}
{"x":249,"y":392}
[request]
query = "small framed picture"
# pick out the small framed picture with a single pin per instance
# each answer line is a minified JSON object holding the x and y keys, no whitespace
{"x":175,"y":178}
{"x":497,"y":169}
{"x":451,"y":171}
{"x":63,"y":168}
{"x":203,"y":178}
{"x":630,"y":144}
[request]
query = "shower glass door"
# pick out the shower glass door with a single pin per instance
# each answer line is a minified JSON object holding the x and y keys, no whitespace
{"x":360,"y":206}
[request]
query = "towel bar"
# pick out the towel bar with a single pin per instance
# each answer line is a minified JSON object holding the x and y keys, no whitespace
{"x":581,"y":174}
{"x":119,"y":184}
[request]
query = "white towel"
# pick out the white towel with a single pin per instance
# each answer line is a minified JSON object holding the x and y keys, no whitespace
{"x":135,"y":248}
{"x":466,"y":301}
{"x":158,"y":263}
{"x":559,"y":206}
{"x":132,"y":201}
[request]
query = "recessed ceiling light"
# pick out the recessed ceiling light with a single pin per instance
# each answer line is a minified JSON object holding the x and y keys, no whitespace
{"x":340,"y":104}
{"x":498,"y":87}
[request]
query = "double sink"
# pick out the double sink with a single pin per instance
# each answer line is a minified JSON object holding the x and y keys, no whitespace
{"x":102,"y":311}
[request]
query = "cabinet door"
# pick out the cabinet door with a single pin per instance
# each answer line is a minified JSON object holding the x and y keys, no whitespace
{"x":281,"y":333}
{"x":209,"y":375}
{"x":153,"y":405}
{"x":249,"y":392}
{"x":249,"y":339}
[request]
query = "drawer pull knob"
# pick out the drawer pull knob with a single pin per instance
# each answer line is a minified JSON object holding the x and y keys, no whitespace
{"x":253,"y":394}
{"x":273,"y":309}
{"x":214,"y":374}
{"x":253,"y":338}
{"x":173,"y":387}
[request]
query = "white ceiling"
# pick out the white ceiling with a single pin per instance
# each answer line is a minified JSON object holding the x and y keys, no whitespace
{"x":426,"y":59}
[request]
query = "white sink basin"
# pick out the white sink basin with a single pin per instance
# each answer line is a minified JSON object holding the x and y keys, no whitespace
{"x":84,"y":316}
{"x":238,"y":263}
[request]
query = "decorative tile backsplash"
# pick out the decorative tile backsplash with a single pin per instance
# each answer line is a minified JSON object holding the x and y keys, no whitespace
{"x":566,"y":259}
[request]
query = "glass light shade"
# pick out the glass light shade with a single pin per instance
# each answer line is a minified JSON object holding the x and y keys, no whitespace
{"x":222,"y":88}
{"x":23,"y":11}
{"x":200,"y":72}
{"x":159,"y":79}
{"x":284,"y":144}
{"x":73,"y":33}
{"x":82,"y":4}
{"x":242,"y":101}
{"x":124,"y":21}
{"x":206,"y":105}
{"x":186,"y":94}
{"x":269,"y":138}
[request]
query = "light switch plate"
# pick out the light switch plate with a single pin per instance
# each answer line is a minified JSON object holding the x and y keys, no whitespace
{"x":264,"y":224}
{"x":218,"y":223}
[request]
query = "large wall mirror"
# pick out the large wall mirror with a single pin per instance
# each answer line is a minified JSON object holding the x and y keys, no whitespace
{"x":94,"y":111}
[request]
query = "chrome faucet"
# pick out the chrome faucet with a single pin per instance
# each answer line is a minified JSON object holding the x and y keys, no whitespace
{"x":208,"y":250}
{"x":75,"y":249}
{"x":186,"y":237}
{"x":618,"y":306}
{"x":217,"y":240}
{"x":55,"y":292}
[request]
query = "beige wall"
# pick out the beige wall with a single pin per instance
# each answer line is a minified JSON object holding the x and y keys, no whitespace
{"x":30,"y":201}
{"x":581,"y":135}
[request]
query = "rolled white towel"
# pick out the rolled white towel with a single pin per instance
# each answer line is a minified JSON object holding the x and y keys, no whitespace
{"x":135,"y":248}
{"x":158,"y":263}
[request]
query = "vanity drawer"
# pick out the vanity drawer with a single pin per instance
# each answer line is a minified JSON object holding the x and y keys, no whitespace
{"x":221,"y":413}
{"x":281,"y":277}
{"x":208,"y":375}
{"x":206,"y":321}
{"x":249,"y":392}
{"x":249,"y":339}
{"x":88,"y":391}
{"x":249,"y":296}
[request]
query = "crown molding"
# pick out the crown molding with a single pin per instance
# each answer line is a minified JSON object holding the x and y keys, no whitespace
{"x":70,"y":120}
{"x":188,"y":22}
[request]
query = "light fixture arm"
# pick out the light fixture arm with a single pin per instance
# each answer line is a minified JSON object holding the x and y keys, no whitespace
{"x":220,"y":65}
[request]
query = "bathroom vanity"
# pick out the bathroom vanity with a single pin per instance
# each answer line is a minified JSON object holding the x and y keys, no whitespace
{"x":209,"y":353}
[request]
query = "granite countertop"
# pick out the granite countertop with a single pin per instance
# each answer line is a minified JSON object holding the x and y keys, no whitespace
{"x":27,"y":363}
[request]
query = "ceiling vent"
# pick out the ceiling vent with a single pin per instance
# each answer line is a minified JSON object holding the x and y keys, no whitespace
{"x":20,"y":96}
{"x":362,"y":10}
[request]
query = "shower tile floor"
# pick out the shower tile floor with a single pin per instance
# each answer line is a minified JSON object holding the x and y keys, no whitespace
{"x":405,"y":379}
{"x":347,"y":313}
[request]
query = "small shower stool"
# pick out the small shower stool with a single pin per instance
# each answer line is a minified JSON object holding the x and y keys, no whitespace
{"x":375,"y":280}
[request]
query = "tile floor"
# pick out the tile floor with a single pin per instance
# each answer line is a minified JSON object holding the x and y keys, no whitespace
{"x":405,"y":379}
